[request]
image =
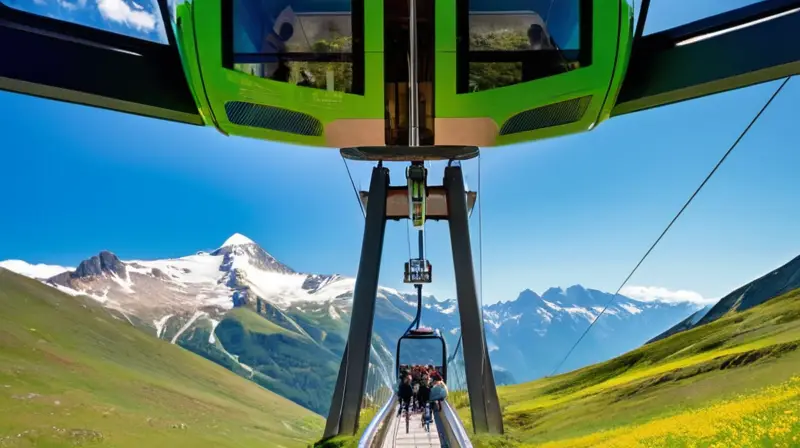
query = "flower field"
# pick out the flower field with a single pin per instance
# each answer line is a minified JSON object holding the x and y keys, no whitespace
{"x":732,"y":383}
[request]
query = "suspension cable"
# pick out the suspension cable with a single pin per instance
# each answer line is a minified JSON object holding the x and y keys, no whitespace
{"x":479,"y":198}
{"x":408,"y":237}
{"x":355,"y":190}
{"x":680,"y":212}
{"x":429,"y":167}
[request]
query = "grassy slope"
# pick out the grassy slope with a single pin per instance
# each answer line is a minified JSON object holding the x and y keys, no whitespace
{"x":670,"y":392}
{"x":288,"y":363}
{"x":71,"y":374}
{"x":350,"y":441}
{"x":255,"y":323}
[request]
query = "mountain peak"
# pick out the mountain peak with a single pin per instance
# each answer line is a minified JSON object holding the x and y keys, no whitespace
{"x":528,"y":295}
{"x":104,"y":262}
{"x":237,"y":239}
{"x":554,"y":291}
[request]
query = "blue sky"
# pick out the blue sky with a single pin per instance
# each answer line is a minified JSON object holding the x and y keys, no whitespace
{"x":580,"y":209}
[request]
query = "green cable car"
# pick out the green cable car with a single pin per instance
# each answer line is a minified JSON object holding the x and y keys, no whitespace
{"x":341,"y":73}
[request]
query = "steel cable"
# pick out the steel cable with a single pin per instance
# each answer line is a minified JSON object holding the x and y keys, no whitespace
{"x":675,"y":218}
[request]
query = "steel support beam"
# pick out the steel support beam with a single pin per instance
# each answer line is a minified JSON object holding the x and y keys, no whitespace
{"x":692,"y":61}
{"x":335,"y":411}
{"x":355,"y":362}
{"x":56,"y":59}
{"x":484,"y":404}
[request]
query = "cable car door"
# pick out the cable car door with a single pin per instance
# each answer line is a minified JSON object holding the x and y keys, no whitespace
{"x":405,"y":117}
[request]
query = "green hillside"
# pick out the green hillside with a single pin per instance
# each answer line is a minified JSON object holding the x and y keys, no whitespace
{"x":71,"y":374}
{"x":295,"y":354}
{"x":288,"y":363}
{"x":733,"y":382}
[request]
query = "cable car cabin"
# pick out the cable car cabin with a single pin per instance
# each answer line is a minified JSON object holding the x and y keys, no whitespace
{"x":336,"y":72}
{"x":417,"y":271}
{"x":423,"y":346}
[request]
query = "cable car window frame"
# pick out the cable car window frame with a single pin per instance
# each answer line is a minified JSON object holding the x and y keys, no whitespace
{"x":465,"y":56}
{"x":354,"y":57}
{"x":434,"y":334}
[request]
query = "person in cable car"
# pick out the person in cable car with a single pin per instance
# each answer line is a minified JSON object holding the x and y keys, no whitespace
{"x":539,"y":39}
{"x":404,"y":393}
{"x":277,"y":42}
{"x":424,"y":393}
{"x":548,"y":59}
{"x":438,"y":391}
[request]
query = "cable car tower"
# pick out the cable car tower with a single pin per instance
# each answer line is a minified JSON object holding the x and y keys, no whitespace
{"x":451,"y":202}
{"x":419,"y":203}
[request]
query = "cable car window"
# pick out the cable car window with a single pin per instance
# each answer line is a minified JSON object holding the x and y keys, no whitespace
{"x":506,"y":42}
{"x":421,"y":352}
{"x":311,"y":43}
{"x":140,"y":19}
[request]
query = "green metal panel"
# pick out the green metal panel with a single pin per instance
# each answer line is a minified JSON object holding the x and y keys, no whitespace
{"x":611,"y":32}
{"x":223,"y":85}
{"x":625,"y":46}
{"x":184,"y":36}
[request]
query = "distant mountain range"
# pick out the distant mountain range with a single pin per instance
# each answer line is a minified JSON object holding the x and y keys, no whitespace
{"x":780,"y":281}
{"x":286,"y":330}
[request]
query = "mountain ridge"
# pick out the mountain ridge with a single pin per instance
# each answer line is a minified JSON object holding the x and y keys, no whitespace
{"x":75,"y":374}
{"x":779,"y":281}
{"x":189,"y":301}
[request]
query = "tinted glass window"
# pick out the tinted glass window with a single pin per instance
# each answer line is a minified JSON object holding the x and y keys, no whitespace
{"x":511,"y":41}
{"x":421,"y":352}
{"x":304,"y":42}
{"x":140,"y":18}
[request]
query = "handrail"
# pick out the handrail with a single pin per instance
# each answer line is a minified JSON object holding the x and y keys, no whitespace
{"x":375,"y":426}
{"x":457,"y":428}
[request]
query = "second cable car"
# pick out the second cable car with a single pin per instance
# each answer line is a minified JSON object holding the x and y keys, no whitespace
{"x":423,"y":346}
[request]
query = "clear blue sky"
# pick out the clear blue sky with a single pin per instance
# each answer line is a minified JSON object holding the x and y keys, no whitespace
{"x":580,"y":209}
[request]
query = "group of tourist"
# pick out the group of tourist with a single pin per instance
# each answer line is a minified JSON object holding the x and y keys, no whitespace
{"x":418,"y":385}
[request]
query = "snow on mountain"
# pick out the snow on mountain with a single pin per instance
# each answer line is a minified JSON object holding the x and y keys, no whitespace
{"x":37,"y":271}
{"x":533,"y":332}
{"x":239,"y":270}
{"x":237,"y":239}
{"x":177,"y":297}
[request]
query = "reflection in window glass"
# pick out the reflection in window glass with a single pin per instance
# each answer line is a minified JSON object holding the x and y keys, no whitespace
{"x":140,"y":18}
{"x":303,"y":42}
{"x":666,"y":14}
{"x":488,"y":75}
{"x":512,"y":41}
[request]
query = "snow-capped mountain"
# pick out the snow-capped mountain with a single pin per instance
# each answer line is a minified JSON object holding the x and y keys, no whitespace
{"x":37,"y":271}
{"x":530,"y":335}
{"x":242,"y":308}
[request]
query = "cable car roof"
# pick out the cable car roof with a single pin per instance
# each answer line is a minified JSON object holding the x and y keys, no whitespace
{"x":423,"y":331}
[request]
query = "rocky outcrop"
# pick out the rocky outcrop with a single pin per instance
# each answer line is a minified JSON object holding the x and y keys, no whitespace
{"x":103,"y":263}
{"x":256,"y":256}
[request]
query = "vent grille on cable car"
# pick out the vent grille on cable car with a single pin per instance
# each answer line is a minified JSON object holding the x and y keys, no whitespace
{"x":273,"y":118}
{"x":564,"y":112}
